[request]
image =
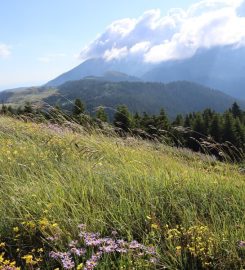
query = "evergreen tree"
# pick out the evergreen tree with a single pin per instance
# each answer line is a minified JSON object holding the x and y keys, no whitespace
{"x":28,"y":108}
{"x":236,"y":111}
{"x":199,"y":125}
{"x":240,"y":134}
{"x":216,"y":128}
{"x":4,"y":109}
{"x":10,"y":109}
{"x":137,"y":120}
{"x":101,"y":114}
{"x":179,"y":121}
{"x":207,"y":118}
{"x":229,"y":132}
{"x":122,"y":118}
{"x":78,"y":108}
{"x":162,"y":121}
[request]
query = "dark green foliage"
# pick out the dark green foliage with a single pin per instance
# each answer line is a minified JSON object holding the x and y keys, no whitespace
{"x":236,"y":111}
{"x":179,"y":121}
{"x":101,"y":114}
{"x":215,"y":129}
{"x":162,"y":121}
{"x":28,"y":108}
{"x":122,"y":118}
{"x":78,"y":108}
{"x":175,"y":98}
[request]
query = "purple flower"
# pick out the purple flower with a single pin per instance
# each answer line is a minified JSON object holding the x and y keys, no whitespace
{"x":64,"y":257}
{"x":73,"y":244}
{"x":241,"y":244}
{"x":93,"y":261}
{"x":78,"y":251}
{"x":135,"y":245}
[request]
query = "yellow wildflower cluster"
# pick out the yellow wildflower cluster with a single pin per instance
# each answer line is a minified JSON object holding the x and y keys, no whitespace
{"x":196,"y":241}
{"x":30,"y":259}
{"x":7,"y":264}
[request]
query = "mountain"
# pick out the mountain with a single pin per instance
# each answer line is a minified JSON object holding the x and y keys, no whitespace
{"x":176,"y":97}
{"x":99,"y":67}
{"x":221,"y":68}
{"x":114,"y":76}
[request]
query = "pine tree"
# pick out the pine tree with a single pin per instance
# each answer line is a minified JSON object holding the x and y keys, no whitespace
{"x":179,"y":121}
{"x":78,"y":108}
{"x":162,"y":121}
{"x":137,"y":120}
{"x":4,"y":109}
{"x":229,"y":132}
{"x":28,"y":108}
{"x":101,"y":114}
{"x":216,"y":128}
{"x":122,"y":118}
{"x":199,"y":125}
{"x":240,"y":134}
{"x":207,"y":118}
{"x":236,"y":111}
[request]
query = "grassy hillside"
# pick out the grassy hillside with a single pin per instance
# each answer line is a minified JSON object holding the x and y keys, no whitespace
{"x":188,"y":206}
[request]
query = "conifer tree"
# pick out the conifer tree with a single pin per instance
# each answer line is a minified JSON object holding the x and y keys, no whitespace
{"x":122,"y":118}
{"x":78,"y":108}
{"x":179,"y":121}
{"x":28,"y":108}
{"x":101,"y":114}
{"x":236,"y":111}
{"x":215,"y":129}
{"x":229,"y":132}
{"x":162,"y":121}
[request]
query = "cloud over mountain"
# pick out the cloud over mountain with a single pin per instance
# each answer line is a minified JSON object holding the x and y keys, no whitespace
{"x":4,"y":50}
{"x":153,"y":37}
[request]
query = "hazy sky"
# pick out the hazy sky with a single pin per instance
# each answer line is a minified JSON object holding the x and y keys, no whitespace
{"x":40,"y":39}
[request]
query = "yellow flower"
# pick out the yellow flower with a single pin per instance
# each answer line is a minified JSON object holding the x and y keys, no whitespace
{"x":154,"y":226}
{"x":16,"y":229}
{"x":178,"y":248}
{"x":29,"y":259}
{"x":2,"y":245}
{"x":80,"y":266}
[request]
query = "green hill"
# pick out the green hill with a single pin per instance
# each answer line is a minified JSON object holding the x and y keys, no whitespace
{"x":176,"y":97}
{"x":188,"y":206}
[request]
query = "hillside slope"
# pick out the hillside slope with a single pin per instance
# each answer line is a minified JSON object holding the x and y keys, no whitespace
{"x":53,"y":179}
{"x":176,"y":97}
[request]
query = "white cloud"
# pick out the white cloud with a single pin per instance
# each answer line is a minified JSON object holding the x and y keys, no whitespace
{"x":4,"y":50}
{"x":115,"y":53}
{"x":154,"y":38}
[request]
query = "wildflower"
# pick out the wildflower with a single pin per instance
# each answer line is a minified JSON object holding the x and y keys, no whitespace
{"x":80,"y":266}
{"x":16,"y":229}
{"x":29,"y":259}
{"x":241,"y":244}
{"x":154,"y":226}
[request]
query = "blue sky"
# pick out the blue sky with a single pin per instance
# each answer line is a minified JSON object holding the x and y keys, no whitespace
{"x":41,"y":39}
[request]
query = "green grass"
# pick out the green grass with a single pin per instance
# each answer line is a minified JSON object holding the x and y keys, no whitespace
{"x":118,"y":184}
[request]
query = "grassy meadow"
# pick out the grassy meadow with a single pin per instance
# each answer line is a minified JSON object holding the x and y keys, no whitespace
{"x":189,"y":207}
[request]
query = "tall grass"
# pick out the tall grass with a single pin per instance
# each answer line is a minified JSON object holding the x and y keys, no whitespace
{"x":126,"y":185}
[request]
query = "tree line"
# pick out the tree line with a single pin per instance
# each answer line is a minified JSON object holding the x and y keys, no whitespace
{"x":220,"y":133}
